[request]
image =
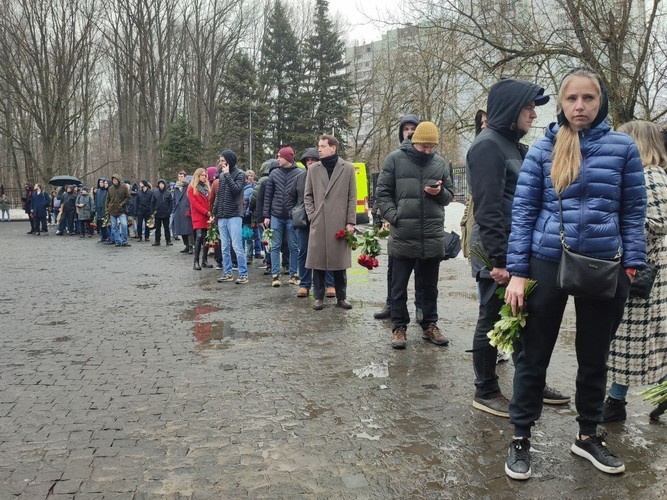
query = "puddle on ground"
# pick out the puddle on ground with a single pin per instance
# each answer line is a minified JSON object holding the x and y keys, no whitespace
{"x":374,"y":370}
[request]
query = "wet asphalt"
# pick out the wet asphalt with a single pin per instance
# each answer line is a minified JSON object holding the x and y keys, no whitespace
{"x":126,"y":374}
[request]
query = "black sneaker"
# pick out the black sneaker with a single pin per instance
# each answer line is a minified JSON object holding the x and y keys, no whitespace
{"x":498,"y":406}
{"x":595,"y":450}
{"x":613,"y":410}
{"x":553,"y":397}
{"x":517,"y":465}
{"x":659,"y":410}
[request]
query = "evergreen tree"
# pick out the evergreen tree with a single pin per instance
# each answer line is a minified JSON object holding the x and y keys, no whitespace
{"x":326,"y":86}
{"x":280,"y":75}
{"x":181,"y":149}
{"x":241,"y":100}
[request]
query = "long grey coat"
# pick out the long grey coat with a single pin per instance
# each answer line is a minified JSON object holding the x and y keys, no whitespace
{"x":330,"y":205}
{"x":182,"y":215}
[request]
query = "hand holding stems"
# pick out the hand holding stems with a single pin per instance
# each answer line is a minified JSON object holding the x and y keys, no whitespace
{"x":500,"y":275}
{"x":267,"y":222}
{"x":515,"y":293}
{"x":350,"y":228}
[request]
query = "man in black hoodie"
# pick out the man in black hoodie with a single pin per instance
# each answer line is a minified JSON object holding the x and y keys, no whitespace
{"x":494,"y":161}
{"x":406,"y":128}
{"x":161,"y":204}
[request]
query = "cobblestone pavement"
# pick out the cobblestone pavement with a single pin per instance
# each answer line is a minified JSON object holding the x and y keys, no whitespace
{"x":126,"y":374}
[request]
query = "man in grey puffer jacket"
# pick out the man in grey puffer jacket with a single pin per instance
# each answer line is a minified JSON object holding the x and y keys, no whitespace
{"x":413,"y":188}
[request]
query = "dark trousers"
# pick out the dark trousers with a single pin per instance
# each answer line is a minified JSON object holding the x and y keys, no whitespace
{"x":340,"y":283}
{"x":84,"y":227}
{"x":66,"y":222}
{"x":159,"y":223}
{"x":484,"y":355}
{"x":401,"y":270}
{"x":39,"y":224}
{"x":418,"y":283}
{"x":596,"y":324}
{"x":142,"y":229}
{"x":103,"y":231}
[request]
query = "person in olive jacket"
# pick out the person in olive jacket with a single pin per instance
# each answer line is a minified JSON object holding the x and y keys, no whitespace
{"x":161,"y":205}
{"x":413,"y":188}
{"x":118,"y":196}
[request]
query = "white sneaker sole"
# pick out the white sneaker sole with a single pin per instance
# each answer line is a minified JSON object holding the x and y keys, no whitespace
{"x":518,"y":475}
{"x":490,"y":410}
{"x":556,"y":402}
{"x":604,"y":468}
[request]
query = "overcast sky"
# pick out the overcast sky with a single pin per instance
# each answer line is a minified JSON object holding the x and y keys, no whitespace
{"x":358,"y":12}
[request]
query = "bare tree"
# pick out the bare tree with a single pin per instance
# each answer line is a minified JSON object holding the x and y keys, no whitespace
{"x":46,"y":61}
{"x":616,"y":39}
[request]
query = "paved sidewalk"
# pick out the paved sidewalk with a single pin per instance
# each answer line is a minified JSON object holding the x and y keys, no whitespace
{"x":126,"y":374}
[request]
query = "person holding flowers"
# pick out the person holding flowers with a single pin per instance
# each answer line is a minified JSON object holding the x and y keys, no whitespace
{"x":198,"y":193}
{"x":413,"y":188}
{"x":581,"y":185}
{"x":330,"y":198}
{"x":494,"y":160}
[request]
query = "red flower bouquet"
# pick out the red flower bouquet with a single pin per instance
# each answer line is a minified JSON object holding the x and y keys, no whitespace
{"x":349,"y":237}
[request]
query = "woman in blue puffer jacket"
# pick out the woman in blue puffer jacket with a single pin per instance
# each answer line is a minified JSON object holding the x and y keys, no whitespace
{"x":599,"y":177}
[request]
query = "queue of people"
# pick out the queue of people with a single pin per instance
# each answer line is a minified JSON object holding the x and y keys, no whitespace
{"x":582,"y":187}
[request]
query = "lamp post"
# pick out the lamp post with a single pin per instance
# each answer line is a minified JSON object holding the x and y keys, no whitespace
{"x":250,"y":134}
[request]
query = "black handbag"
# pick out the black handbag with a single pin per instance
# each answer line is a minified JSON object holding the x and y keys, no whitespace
{"x":299,"y":216}
{"x":643,"y":282}
{"x":452,"y":245}
{"x":586,"y":277}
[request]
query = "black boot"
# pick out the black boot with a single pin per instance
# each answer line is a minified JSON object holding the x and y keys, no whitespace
{"x":204,"y":260}
{"x":196,"y":266}
{"x":187,"y":245}
{"x":659,"y":410}
{"x":384,"y":313}
{"x":613,"y":410}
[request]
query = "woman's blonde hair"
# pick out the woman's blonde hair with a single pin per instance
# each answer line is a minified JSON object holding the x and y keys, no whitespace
{"x":648,"y":138}
{"x":195,"y":179}
{"x":567,"y":149}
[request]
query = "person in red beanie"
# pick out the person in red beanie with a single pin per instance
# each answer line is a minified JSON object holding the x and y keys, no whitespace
{"x":276,"y":214}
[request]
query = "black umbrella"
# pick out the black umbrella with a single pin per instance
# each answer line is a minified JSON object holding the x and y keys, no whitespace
{"x":63,"y":180}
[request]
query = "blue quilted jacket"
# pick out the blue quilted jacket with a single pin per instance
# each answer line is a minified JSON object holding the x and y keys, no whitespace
{"x":603,"y":209}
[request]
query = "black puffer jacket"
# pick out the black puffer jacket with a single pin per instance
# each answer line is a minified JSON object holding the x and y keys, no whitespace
{"x":144,"y":199}
{"x":278,"y":187}
{"x":229,"y":199}
{"x":162,"y":201}
{"x":417,"y":219}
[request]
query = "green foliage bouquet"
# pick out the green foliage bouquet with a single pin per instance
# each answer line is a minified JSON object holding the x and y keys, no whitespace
{"x":507,"y":329}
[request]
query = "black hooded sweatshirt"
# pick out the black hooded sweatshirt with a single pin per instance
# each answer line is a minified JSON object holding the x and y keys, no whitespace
{"x":494,"y":161}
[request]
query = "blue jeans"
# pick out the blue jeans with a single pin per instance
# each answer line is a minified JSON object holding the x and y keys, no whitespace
{"x":5,"y":214}
{"x":231,"y":236}
{"x":119,"y":236}
{"x":305,"y":274}
{"x":280,"y":227}
{"x":620,"y":391}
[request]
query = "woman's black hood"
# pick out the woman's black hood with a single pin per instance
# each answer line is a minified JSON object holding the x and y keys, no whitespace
{"x":506,"y":100}
{"x":604,"y":101}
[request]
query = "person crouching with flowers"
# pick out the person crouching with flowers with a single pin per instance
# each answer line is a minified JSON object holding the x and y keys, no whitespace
{"x":413,"y":187}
